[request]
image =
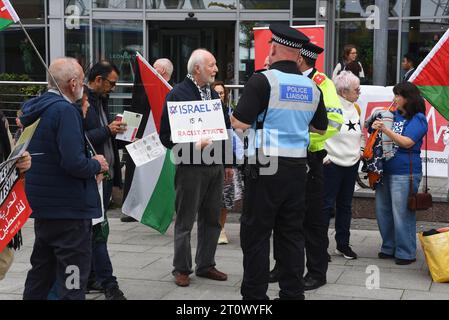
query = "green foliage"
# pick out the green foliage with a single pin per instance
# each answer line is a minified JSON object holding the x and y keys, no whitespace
{"x":28,"y":91}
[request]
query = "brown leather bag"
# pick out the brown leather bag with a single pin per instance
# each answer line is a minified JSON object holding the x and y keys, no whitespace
{"x":420,"y":200}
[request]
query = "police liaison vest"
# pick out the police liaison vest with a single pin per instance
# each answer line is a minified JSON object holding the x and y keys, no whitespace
{"x":293,"y":101}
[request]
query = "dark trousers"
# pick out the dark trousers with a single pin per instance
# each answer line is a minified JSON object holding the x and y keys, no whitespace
{"x":61,"y":253}
{"x":199,"y":190}
{"x":316,"y":222}
{"x":102,"y":270}
{"x":338,"y":193}
{"x":274,"y":203}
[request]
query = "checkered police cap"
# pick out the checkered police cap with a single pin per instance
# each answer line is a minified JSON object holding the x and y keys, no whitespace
{"x":288,"y":36}
{"x":311,"y":51}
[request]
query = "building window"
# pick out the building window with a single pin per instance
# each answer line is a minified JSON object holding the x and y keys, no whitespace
{"x":264,"y":4}
{"x":17,"y":56}
{"x":356,"y":33}
{"x":77,"y":44}
{"x":192,"y":4}
{"x":246,"y":42}
{"x":364,"y":8}
{"x":30,"y":11}
{"x":304,"y":9}
{"x":77,"y":7}
{"x":419,"y":37}
{"x":118,"y":41}
{"x":425,"y":8}
{"x":118,"y":4}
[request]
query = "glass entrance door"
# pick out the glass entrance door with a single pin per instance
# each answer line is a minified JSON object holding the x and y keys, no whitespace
{"x":176,"y":41}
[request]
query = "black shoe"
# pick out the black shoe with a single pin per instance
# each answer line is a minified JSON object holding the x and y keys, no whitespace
{"x":382,"y":255}
{"x":114,"y":293}
{"x":127,"y":219}
{"x":94,"y":286}
{"x":403,"y":262}
{"x":274,"y":275}
{"x":346,"y":252}
{"x":311,"y":283}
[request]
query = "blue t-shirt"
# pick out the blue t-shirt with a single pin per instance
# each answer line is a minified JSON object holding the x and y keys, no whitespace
{"x":415,"y":129}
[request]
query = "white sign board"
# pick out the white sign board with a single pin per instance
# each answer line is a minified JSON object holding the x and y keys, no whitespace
{"x":191,"y":121}
{"x":146,"y":149}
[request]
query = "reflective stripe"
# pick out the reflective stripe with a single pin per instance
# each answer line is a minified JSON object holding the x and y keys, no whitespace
{"x":334,"y":124}
{"x":282,"y":152}
{"x":335,"y":110}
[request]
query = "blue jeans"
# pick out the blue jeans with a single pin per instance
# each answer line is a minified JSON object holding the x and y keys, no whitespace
{"x":397,"y":224}
{"x":339,"y":185}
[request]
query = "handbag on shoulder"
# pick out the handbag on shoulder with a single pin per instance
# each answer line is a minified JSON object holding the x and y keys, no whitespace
{"x":420,"y":200}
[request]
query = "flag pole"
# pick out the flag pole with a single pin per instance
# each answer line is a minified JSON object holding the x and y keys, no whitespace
{"x":40,"y":57}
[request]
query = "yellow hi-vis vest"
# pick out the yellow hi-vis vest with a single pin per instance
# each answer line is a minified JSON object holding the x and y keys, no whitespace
{"x":333,"y":108}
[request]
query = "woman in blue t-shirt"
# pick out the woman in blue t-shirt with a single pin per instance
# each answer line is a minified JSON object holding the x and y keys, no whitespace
{"x":397,"y":224}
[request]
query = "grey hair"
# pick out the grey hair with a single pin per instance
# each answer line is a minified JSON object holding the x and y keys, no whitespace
{"x":166,"y":64}
{"x":345,"y":81}
{"x":196,"y":58}
{"x":63,"y":69}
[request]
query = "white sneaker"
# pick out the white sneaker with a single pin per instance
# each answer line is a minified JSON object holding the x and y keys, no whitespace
{"x":223,"y":239}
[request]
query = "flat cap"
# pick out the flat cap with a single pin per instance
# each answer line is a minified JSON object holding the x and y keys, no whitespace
{"x":288,"y":36}
{"x":310,"y":50}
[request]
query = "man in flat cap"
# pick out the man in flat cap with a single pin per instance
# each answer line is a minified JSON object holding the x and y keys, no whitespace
{"x":280,"y":106}
{"x":316,"y":223}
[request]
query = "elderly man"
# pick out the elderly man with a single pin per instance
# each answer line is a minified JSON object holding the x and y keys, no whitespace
{"x":101,"y":132}
{"x":61,"y":187}
{"x":199,"y":187}
{"x":164,"y":67}
{"x":282,"y":105}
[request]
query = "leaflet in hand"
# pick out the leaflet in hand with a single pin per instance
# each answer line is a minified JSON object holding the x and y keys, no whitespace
{"x":132,"y":121}
{"x":146,"y":149}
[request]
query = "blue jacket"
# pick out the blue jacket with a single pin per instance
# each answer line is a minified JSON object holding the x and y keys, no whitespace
{"x":61,"y":182}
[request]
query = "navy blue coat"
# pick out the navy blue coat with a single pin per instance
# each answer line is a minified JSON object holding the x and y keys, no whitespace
{"x":98,"y":134}
{"x":61,"y":183}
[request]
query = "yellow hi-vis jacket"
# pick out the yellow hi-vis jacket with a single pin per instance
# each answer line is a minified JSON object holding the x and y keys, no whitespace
{"x":333,"y":108}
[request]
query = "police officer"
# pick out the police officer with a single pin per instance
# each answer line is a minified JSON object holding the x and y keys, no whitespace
{"x":281,"y":106}
{"x":315,"y":222}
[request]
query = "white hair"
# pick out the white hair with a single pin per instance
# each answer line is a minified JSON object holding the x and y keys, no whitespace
{"x":196,"y":58}
{"x":63,"y":69}
{"x":345,"y":81}
{"x":166,"y":64}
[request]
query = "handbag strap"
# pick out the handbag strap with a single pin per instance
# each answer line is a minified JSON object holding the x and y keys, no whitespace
{"x":410,"y":191}
{"x":425,"y":188}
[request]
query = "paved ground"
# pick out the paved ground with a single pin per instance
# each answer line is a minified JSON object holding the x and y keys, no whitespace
{"x":142,"y":260}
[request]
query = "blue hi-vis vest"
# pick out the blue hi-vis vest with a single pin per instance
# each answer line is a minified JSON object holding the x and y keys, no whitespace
{"x":293,"y":101}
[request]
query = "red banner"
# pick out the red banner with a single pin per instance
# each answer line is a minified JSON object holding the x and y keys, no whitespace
{"x":262,"y":48}
{"x":14,"y":207}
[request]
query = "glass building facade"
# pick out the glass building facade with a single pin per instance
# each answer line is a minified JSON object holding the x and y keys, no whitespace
{"x":90,"y":30}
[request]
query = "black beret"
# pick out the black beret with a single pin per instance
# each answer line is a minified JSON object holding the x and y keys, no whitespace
{"x":288,"y":36}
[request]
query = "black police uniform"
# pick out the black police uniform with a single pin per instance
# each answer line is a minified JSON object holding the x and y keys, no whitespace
{"x":274,"y":202}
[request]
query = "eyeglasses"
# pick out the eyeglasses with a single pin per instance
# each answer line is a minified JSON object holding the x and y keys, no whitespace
{"x":111,"y":83}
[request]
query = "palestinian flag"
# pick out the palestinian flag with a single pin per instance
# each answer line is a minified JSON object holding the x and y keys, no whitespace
{"x":149,"y":189}
{"x":432,"y":76}
{"x":7,"y":14}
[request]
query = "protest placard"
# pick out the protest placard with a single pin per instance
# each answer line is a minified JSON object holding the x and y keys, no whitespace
{"x":191,"y":121}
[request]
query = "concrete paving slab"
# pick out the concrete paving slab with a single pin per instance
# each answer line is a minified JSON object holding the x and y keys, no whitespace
{"x":352,"y":291}
{"x":410,"y":281}
{"x":420,"y":295}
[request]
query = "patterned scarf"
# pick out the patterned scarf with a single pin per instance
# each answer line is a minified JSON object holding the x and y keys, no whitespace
{"x":204,"y":91}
